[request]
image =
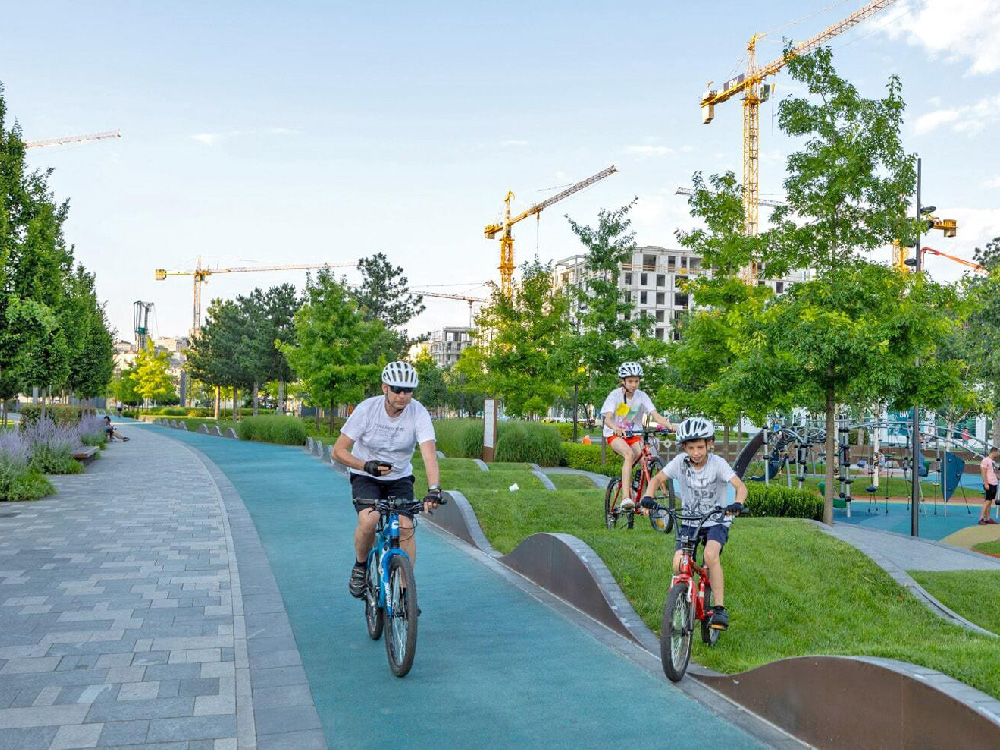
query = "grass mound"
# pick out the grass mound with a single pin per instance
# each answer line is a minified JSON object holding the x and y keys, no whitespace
{"x":973,"y":594}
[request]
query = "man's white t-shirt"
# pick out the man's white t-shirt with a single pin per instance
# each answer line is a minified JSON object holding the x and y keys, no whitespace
{"x":631,"y":416}
{"x":379,"y":437}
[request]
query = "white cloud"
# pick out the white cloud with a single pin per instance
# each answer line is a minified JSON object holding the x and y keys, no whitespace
{"x":969,"y":119}
{"x":210,"y":139}
{"x":687,"y":149}
{"x":993,"y":182}
{"x":513,"y":142}
{"x":934,"y":101}
{"x":956,"y":31}
{"x":650,"y":151}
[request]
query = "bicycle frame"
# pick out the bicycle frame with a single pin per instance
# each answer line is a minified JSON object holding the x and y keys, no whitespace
{"x":386,"y":545}
{"x":689,"y":567}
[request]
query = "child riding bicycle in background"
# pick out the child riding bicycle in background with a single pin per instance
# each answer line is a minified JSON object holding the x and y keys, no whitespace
{"x":703,"y":477}
{"x":624,"y":410}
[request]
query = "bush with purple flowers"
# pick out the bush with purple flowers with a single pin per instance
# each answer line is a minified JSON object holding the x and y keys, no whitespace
{"x":91,"y":430}
{"x":51,"y":447}
{"x":18,"y":479}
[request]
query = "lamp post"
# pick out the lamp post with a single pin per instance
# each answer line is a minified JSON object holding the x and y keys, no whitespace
{"x":916,"y":458}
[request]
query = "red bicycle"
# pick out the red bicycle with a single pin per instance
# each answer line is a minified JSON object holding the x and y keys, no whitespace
{"x":646,"y":466}
{"x":687,"y":602}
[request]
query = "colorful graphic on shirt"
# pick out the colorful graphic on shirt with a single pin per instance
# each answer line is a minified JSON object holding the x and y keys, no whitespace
{"x":625,"y":417}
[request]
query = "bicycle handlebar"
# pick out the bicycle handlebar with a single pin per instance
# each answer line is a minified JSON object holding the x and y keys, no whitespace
{"x":406,"y":506}
{"x":701,"y":518}
{"x":646,"y":432}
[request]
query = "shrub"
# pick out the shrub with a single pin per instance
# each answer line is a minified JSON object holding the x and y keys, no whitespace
{"x":782,"y":502}
{"x":60,"y":414}
{"x":130,"y":414}
{"x":588,"y":458}
{"x":272,"y":428}
{"x":91,"y":431}
{"x":528,"y":442}
{"x":459,"y":438}
{"x":51,"y":447}
{"x":174,"y":411}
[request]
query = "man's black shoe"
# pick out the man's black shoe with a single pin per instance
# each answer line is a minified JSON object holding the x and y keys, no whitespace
{"x":357,"y":584}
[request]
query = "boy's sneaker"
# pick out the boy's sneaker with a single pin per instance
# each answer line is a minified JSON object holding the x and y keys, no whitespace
{"x":990,"y":520}
{"x":357,"y":583}
{"x":720,"y":618}
{"x":628,"y":503}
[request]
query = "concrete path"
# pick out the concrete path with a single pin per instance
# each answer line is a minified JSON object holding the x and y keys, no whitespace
{"x":124,"y":618}
{"x":909,"y":553}
{"x":495,"y":666}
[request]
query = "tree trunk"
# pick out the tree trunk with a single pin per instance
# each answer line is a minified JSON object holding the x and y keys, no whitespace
{"x":236,"y":400}
{"x":281,"y":396}
{"x":316,"y":416}
{"x":831,"y":454}
{"x":256,"y":398}
{"x":218,"y":399}
{"x":996,"y":430}
{"x":333,"y":411}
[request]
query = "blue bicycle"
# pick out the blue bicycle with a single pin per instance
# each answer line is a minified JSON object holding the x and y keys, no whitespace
{"x":390,"y":588}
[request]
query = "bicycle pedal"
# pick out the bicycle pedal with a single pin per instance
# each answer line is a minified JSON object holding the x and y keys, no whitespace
{"x":713,"y":626}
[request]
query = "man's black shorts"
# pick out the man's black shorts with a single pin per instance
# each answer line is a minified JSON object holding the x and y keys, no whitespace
{"x":991,"y":492}
{"x":366,"y":489}
{"x":717,"y":532}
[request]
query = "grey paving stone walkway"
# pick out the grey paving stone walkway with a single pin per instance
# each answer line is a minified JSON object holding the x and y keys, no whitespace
{"x":122,"y":620}
{"x":910,"y":553}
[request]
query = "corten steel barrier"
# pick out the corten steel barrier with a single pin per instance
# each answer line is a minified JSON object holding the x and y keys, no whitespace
{"x":857,"y":703}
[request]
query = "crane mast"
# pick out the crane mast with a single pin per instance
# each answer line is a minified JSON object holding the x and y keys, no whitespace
{"x":507,"y":239}
{"x":755,"y":91}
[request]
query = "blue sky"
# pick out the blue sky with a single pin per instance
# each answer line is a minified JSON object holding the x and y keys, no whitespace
{"x":258,"y":133}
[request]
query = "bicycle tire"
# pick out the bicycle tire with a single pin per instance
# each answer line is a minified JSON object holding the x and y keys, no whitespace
{"x":401,"y":636}
{"x":613,"y":516}
{"x":675,"y":633}
{"x":374,"y":614}
{"x":709,"y":635}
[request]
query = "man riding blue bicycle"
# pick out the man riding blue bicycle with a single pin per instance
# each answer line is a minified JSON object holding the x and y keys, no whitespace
{"x":376,"y":444}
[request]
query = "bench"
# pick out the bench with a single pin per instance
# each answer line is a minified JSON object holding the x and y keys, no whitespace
{"x":86,"y":454}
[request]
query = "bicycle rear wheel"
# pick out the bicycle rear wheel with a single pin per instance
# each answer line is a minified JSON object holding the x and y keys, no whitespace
{"x":614,"y":516}
{"x":374,"y":616}
{"x":401,"y":598}
{"x":675,"y":633}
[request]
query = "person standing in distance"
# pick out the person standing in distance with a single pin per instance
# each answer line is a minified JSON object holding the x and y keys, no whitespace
{"x":989,"y":475}
{"x":376,"y":444}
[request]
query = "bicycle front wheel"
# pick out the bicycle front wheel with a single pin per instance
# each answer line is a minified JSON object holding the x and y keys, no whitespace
{"x":676,"y":631}
{"x":401,"y":600}
{"x":374,"y":616}
{"x":614,"y":516}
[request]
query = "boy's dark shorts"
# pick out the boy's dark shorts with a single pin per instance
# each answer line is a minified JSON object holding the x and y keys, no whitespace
{"x":991,"y":492}
{"x":718,"y":533}
{"x":366,"y":489}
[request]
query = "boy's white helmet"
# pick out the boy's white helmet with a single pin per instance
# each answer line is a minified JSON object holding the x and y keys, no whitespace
{"x":695,"y":428}
{"x":630,"y":370}
{"x":400,"y":374}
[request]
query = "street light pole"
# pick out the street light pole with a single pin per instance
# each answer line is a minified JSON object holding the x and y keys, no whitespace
{"x":916,"y":459}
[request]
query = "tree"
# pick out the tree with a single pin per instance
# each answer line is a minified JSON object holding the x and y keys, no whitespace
{"x":123,"y":387}
{"x":433,"y":389}
{"x":332,"y":340}
{"x":523,"y":334}
{"x":384,"y":295}
{"x":978,"y":337}
{"x":152,"y":379}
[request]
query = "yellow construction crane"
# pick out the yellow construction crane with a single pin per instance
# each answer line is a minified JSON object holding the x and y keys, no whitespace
{"x":968,"y":263}
{"x":201,"y":276}
{"x":755,"y":91}
{"x":761,"y":201}
{"x":74,"y":139}
{"x":460,"y":297}
{"x":507,"y":240}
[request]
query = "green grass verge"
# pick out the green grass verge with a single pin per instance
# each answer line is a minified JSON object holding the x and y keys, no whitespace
{"x":974,"y":594}
{"x":792,"y":589}
{"x":990,"y":548}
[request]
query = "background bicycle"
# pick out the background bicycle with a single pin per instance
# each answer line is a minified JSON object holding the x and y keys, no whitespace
{"x":646,"y":466}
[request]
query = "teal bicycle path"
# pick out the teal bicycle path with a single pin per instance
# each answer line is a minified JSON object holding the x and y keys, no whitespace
{"x":494,"y":666}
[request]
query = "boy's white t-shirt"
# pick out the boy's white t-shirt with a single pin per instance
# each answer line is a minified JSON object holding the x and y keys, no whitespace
{"x":635,"y":410}
{"x":702,"y":489}
{"x":379,"y":437}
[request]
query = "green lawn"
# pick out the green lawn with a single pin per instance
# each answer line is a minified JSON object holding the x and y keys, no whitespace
{"x":990,"y":548}
{"x":791,"y":589}
{"x":973,"y":594}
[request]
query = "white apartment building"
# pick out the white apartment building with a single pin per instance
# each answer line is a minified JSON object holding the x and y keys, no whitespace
{"x":446,"y":345}
{"x":653,"y":283}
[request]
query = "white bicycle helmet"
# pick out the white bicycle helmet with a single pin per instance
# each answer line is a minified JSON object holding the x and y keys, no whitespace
{"x":629,"y":369}
{"x":400,"y":374}
{"x":695,"y":428}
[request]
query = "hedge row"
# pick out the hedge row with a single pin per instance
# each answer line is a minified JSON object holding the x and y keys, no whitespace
{"x":272,"y":428}
{"x":588,"y":458}
{"x":59,"y":413}
{"x":782,"y":502}
{"x":517,"y":441}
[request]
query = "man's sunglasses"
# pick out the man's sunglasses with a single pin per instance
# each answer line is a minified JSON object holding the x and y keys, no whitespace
{"x":400,"y":389}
